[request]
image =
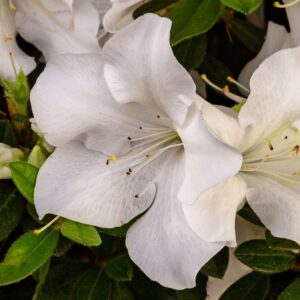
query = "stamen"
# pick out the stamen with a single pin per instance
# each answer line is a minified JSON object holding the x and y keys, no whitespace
{"x":279,"y":5}
{"x":162,"y":133}
{"x":225,"y":91}
{"x":38,"y":231}
{"x":111,"y":158}
{"x":13,"y":65}
{"x":8,"y":37}
{"x":11,"y":5}
{"x":231,"y":80}
{"x":296,"y":149}
{"x":270,"y":146}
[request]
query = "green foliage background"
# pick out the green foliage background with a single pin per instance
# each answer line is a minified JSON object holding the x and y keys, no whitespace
{"x":74,"y":261}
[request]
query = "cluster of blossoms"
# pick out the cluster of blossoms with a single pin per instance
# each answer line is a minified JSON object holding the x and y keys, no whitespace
{"x":133,"y":139}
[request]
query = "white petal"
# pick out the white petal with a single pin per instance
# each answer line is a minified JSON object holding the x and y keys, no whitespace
{"x":274,"y":99}
{"x":212,"y":216}
{"x":72,"y":31}
{"x":77,"y":184}
{"x":8,"y":45}
{"x":145,"y":70}
{"x":57,"y":5}
{"x":161,"y":243}
{"x":208,"y":161}
{"x":216,"y":287}
{"x":276,"y":205}
{"x":275,"y":40}
{"x":120,"y":14}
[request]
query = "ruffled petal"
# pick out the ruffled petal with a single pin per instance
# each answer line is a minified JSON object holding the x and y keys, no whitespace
{"x":161,"y":243}
{"x":76,"y":183}
{"x":140,"y":67}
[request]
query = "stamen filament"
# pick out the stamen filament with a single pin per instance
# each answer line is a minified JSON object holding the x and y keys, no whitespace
{"x":38,"y":231}
{"x":279,"y":5}
{"x":231,"y":80}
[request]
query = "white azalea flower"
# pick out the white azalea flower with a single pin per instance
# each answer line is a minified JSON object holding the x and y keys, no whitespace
{"x":245,"y":231}
{"x":266,"y":134}
{"x":277,"y":38}
{"x":8,"y":154}
{"x":11,"y":55}
{"x":117,"y":156}
{"x":58,"y":26}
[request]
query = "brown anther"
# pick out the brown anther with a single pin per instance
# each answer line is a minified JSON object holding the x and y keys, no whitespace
{"x":136,"y":196}
{"x":158,"y":116}
{"x":271,"y":146}
{"x":296,"y":149}
{"x":8,"y":37}
{"x":107,"y":162}
{"x":286,"y":137}
{"x":225,"y":89}
{"x":266,"y":157}
{"x":147,"y":155}
{"x":128,"y":173}
{"x":130,"y":170}
{"x":129,"y":138}
{"x":141,"y":128}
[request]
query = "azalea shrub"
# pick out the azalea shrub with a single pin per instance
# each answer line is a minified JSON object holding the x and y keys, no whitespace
{"x":149,"y":149}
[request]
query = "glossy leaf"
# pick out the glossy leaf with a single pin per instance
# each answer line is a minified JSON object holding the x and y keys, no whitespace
{"x":250,"y":287}
{"x":26,"y":255}
{"x":190,"y":53}
{"x":216,"y":267}
{"x":24,"y":176}
{"x":7,"y":133}
{"x":152,"y":6}
{"x":247,"y":213}
{"x":80,"y":233}
{"x":193,"y":17}
{"x":257,"y":255}
{"x":120,"y":291}
{"x":243,"y":6}
{"x":119,"y":268}
{"x":11,"y":207}
{"x":280,"y":243}
{"x":292,"y":292}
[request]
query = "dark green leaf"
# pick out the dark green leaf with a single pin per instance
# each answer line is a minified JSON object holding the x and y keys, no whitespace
{"x":119,"y":268}
{"x":243,"y":6}
{"x":11,"y":207}
{"x":188,"y":294}
{"x":292,"y":292}
{"x":190,"y":53}
{"x":193,"y":17}
{"x":216,"y":267}
{"x":63,"y":246}
{"x":152,"y":7}
{"x":250,"y":287}
{"x":74,"y":281}
{"x":24,"y":176}
{"x":120,"y":291}
{"x":247,"y":213}
{"x":257,"y":255}
{"x":280,"y":243}
{"x":7,"y":133}
{"x":83,"y":234}
{"x":117,"y":231}
{"x":26,"y":255}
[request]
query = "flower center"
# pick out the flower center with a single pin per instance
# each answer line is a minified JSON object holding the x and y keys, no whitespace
{"x":276,"y":156}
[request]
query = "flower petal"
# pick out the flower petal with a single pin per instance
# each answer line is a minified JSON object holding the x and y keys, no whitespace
{"x":92,"y":192}
{"x":208,"y":161}
{"x":274,"y":98}
{"x":277,"y":38}
{"x":216,"y":287}
{"x":213,"y":215}
{"x":161,"y":243}
{"x":145,"y":70}
{"x":276,"y":205}
{"x":61,"y":31}
{"x":120,"y":14}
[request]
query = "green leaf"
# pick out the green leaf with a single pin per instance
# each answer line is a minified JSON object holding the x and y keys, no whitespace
{"x":24,"y":176}
{"x":243,"y":6}
{"x":193,"y":17}
{"x":252,"y":286}
{"x":292,"y":292}
{"x":152,"y":7}
{"x":6,"y":133}
{"x":247,"y":213}
{"x":76,"y":281}
{"x":26,"y":255}
{"x":188,"y":294}
{"x":63,"y":246}
{"x":280,"y":243}
{"x":257,"y":255}
{"x":216,"y":267}
{"x":83,"y":234}
{"x":190,"y":53}
{"x":250,"y":35}
{"x":119,"y":268}
{"x":11,"y":207}
{"x":120,"y":291}
{"x":117,"y":231}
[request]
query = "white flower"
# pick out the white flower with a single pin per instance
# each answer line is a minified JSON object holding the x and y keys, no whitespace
{"x":11,"y":55}
{"x":8,"y":155}
{"x":245,"y":231}
{"x":115,"y":156}
{"x":58,"y":26}
{"x":277,"y":38}
{"x":265,"y":132}
{"x":120,"y":14}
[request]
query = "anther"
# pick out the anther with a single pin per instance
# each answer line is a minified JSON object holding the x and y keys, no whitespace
{"x":12,"y":7}
{"x":38,"y":231}
{"x":128,"y":173}
{"x":137,"y":196}
{"x":233,"y":81}
{"x":270,"y":146}
{"x":296,"y":149}
{"x":286,"y":137}
{"x":8,"y":37}
{"x":158,"y":116}
{"x":141,"y":128}
{"x":279,"y":5}
{"x":129,"y":138}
